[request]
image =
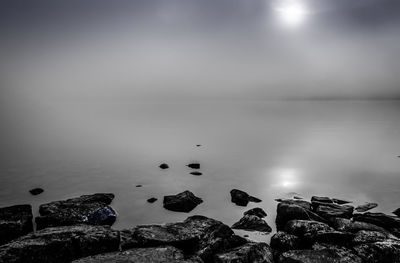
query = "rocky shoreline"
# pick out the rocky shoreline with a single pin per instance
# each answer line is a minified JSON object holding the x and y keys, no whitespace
{"x":79,"y":230}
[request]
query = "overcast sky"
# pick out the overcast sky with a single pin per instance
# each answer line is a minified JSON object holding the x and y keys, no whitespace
{"x":200,"y":49}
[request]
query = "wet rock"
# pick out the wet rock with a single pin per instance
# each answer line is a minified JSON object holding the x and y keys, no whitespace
{"x":318,"y":256}
{"x":331,"y":237}
{"x":196,"y":173}
{"x":347,"y":225}
{"x":152,"y":200}
{"x":74,"y":211}
{"x":139,"y":185}
{"x":60,"y":244}
{"x":194,"y":165}
{"x":257,"y":211}
{"x":306,"y":229}
{"x":164,"y":166}
{"x":340,"y":201}
{"x":248,"y":253}
{"x":386,"y":221}
{"x":252,"y":223}
{"x":15,"y":221}
{"x":366,"y":207}
{"x":365,"y":236}
{"x":328,"y":211}
{"x":182,"y":202}
{"x":102,"y":216}
{"x":346,"y":254}
{"x":297,"y":197}
{"x":163,"y":254}
{"x":242,"y":198}
{"x":379,"y":252}
{"x":397,"y":212}
{"x":321,"y":199}
{"x":301,"y":203}
{"x":283,"y":241}
{"x":36,"y":191}
{"x":198,"y":145}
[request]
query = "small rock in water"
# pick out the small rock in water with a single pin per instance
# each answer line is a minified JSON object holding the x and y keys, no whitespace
{"x":366,"y":207}
{"x":152,"y":200}
{"x":198,"y":145}
{"x":194,"y":165}
{"x":102,"y":216}
{"x":242,"y":198}
{"x":182,"y":202}
{"x":36,"y":191}
{"x":139,"y":185}
{"x":164,"y":166}
{"x":256,"y":212}
{"x":196,"y":173}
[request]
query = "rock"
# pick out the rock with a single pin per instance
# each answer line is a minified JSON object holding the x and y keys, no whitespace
{"x":102,"y":216}
{"x":386,"y":221}
{"x":164,"y":166}
{"x":340,"y":201}
{"x":328,"y":211}
{"x":194,"y":165}
{"x":252,"y":223}
{"x":397,"y":212}
{"x":283,"y":241}
{"x":247,"y":253}
{"x":242,"y":198}
{"x":36,"y":191}
{"x":331,"y":237}
{"x":197,"y":235}
{"x":60,"y":244}
{"x":297,"y":197}
{"x":256,"y":212}
{"x":346,"y":254}
{"x":365,"y":236}
{"x":302,"y":228}
{"x":318,"y":256}
{"x":74,"y":211}
{"x":379,"y":252}
{"x":347,"y":225}
{"x":198,"y":145}
{"x":366,"y":207}
{"x":139,"y":185}
{"x":196,"y":173}
{"x":321,"y":199}
{"x":182,"y":202}
{"x":152,"y":200}
{"x":15,"y":221}
{"x":163,"y":254}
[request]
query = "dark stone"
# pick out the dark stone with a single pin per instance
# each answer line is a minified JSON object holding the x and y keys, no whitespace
{"x":102,"y":216}
{"x":196,"y":173}
{"x":347,"y":225}
{"x":321,"y":199}
{"x":379,"y":252}
{"x":139,"y":185}
{"x":152,"y":200}
{"x":283,"y":241}
{"x":297,"y":197}
{"x":60,"y":244}
{"x":332,"y":237}
{"x":15,"y":221}
{"x":347,"y":254}
{"x":164,"y":166}
{"x":252,"y":223}
{"x":256,"y":212}
{"x":366,"y":207}
{"x":36,"y":191}
{"x":143,"y":255}
{"x":247,"y":253}
{"x":305,"y":228}
{"x":364,"y":236}
{"x":328,"y":211}
{"x":386,"y":221}
{"x":318,"y":256}
{"x":194,"y":165}
{"x":182,"y":202}
{"x":340,"y":201}
{"x":397,"y":212}
{"x":198,"y":145}
{"x":73,"y":211}
{"x":242,"y":198}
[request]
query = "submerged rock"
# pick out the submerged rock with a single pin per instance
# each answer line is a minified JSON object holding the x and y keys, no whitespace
{"x":152,"y":200}
{"x":182,"y":202}
{"x":15,"y":221}
{"x":196,"y":173}
{"x":252,"y":223}
{"x":248,"y":253}
{"x":366,"y":207}
{"x":60,"y":244}
{"x":164,"y":166}
{"x":242,"y":198}
{"x":76,"y":210}
{"x":257,"y":211}
{"x":194,"y":165}
{"x":36,"y":191}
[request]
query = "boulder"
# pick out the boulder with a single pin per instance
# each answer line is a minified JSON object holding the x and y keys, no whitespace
{"x":328,"y":211}
{"x":340,"y":201}
{"x":194,"y":165}
{"x":77,"y":211}
{"x":252,"y":223}
{"x":365,"y":236}
{"x":321,"y":199}
{"x":15,"y":221}
{"x":305,"y":228}
{"x":164,"y":254}
{"x":256,"y":212}
{"x":366,"y":207}
{"x":242,"y":198}
{"x":164,"y":166}
{"x":36,"y":191}
{"x":386,"y":221}
{"x":247,"y":253}
{"x":60,"y":244}
{"x":182,"y":202}
{"x":318,"y":256}
{"x":347,"y":225}
{"x":379,"y":252}
{"x":283,"y":241}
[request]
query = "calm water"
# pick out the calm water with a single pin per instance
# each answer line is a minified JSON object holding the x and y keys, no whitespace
{"x":344,"y":149}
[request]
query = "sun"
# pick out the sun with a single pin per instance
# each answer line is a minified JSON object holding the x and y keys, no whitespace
{"x":292,"y":13}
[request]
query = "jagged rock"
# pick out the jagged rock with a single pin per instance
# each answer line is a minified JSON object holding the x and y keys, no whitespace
{"x":194,"y":165}
{"x":340,"y":201}
{"x":182,"y":202}
{"x":256,"y":212}
{"x":15,"y":221}
{"x":242,"y":198}
{"x":397,"y":212}
{"x":152,"y":200}
{"x":347,"y":225}
{"x":366,"y":207}
{"x":197,"y":235}
{"x":386,"y":221}
{"x":75,"y":211}
{"x":302,"y":203}
{"x":318,"y":256}
{"x":252,"y":223}
{"x":306,"y":229}
{"x":283,"y":241}
{"x":364,"y":236}
{"x":248,"y":253}
{"x":196,"y":173}
{"x":102,"y":216}
{"x":166,"y":254}
{"x":36,"y":191}
{"x":164,"y":166}
{"x":321,"y":199}
{"x":60,"y":244}
{"x":328,"y":211}
{"x":379,"y":252}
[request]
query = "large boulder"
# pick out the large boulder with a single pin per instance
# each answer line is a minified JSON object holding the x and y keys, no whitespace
{"x":257,"y":211}
{"x":347,"y":225}
{"x":242,"y":198}
{"x":328,"y":211}
{"x":283,"y":241}
{"x":379,"y":252}
{"x":306,"y":229}
{"x":15,"y":221}
{"x":182,"y":202}
{"x":165,"y":254}
{"x":365,"y":236}
{"x":318,"y":256}
{"x":366,"y":207}
{"x":60,"y":244}
{"x":252,"y":223}
{"x":90,"y":209}
{"x":379,"y":219}
{"x":247,"y":253}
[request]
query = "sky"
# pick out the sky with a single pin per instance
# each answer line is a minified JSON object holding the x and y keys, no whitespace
{"x":199,"y":49}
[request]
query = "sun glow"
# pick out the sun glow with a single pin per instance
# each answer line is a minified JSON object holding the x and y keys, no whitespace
{"x":292,"y":13}
{"x":285,"y":177}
